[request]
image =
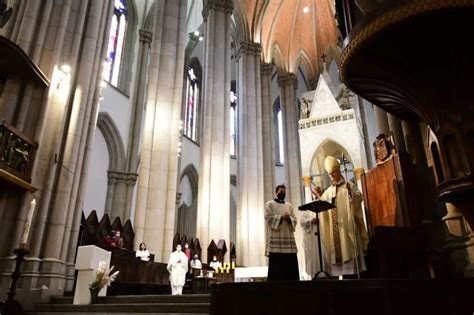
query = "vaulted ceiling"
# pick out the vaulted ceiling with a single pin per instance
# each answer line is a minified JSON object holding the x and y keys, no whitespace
{"x":291,"y":32}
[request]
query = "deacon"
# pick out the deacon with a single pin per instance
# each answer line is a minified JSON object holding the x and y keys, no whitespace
{"x":178,"y":267}
{"x":343,"y":232}
{"x":280,"y":222}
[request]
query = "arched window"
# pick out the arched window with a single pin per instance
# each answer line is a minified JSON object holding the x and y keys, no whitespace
{"x":233,"y":119}
{"x":115,"y":48}
{"x":191,"y":113}
{"x":278,"y":133}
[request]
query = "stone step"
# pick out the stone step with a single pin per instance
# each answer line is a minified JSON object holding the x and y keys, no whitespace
{"x":129,"y":304}
{"x":134,"y":308}
{"x":132,"y":299}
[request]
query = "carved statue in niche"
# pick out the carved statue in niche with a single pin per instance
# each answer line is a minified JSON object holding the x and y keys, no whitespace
{"x":306,"y":108}
{"x":17,"y":154}
{"x":384,"y":147}
{"x":343,"y":99}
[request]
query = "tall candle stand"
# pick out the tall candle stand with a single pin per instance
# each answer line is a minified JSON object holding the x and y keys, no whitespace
{"x":10,"y":306}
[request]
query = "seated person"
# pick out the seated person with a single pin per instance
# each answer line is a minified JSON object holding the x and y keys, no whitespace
{"x":111,"y":240}
{"x":119,"y":239}
{"x":142,"y":252}
{"x":196,"y":263}
{"x":215,"y":263}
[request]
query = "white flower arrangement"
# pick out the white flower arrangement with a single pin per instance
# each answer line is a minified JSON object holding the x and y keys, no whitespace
{"x":103,"y":277}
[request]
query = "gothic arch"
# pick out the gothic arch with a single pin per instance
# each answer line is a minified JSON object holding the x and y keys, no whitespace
{"x":114,"y":141}
{"x":187,"y":214}
{"x":125,"y":75}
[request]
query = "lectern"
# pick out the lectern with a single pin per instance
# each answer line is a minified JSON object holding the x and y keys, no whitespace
{"x":318,"y":206}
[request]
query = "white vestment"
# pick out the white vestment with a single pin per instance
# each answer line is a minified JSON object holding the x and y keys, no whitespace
{"x":177,"y":266}
{"x":310,"y":243}
{"x":343,"y":233}
{"x":215,"y":264}
{"x":196,"y":264}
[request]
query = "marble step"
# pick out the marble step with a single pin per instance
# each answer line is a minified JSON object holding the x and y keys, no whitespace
{"x":129,"y":304}
{"x":131,"y":299}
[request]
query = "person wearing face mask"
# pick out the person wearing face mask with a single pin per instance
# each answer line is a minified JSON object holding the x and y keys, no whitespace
{"x":215,"y":263}
{"x":187,"y":251}
{"x":196,"y":263}
{"x":280,"y":247}
{"x":178,"y":267}
{"x":343,"y":232}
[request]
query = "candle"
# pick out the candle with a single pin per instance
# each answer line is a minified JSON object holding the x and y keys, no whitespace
{"x":233,"y":265}
{"x":29,"y":218}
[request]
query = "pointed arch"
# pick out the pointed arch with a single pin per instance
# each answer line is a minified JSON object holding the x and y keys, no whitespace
{"x":113,"y":140}
{"x":277,"y":57}
{"x":186,"y":220}
{"x":303,"y":60}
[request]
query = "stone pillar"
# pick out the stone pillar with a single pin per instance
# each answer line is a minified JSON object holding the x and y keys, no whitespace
{"x":145,"y":38}
{"x":62,"y":121}
{"x":288,"y":84}
{"x":294,"y":192}
{"x":396,"y":128}
{"x":213,"y":220}
{"x":157,"y":180}
{"x":382,"y":120}
{"x":414,"y":141}
{"x":268,"y":132}
{"x":250,"y":181}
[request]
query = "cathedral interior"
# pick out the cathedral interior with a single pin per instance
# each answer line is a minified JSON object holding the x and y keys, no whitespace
{"x":172,"y":121}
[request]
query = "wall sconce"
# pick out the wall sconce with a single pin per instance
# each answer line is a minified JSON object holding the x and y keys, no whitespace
{"x":196,"y":36}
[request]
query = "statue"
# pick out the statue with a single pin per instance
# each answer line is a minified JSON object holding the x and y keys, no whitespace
{"x":306,"y":108}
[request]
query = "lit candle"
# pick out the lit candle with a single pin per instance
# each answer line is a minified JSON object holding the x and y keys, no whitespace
{"x":233,"y":265}
{"x":29,"y":218}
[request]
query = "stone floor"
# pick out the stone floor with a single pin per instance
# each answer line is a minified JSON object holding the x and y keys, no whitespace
{"x":120,"y":305}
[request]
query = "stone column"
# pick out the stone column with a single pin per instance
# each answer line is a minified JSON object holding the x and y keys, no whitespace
{"x":288,"y":84}
{"x":382,"y":120}
{"x":268,"y":132}
{"x":414,"y":141}
{"x":250,"y":181}
{"x":294,"y":192}
{"x":157,"y":179}
{"x":396,"y":128}
{"x":214,"y":170}
{"x":145,"y":38}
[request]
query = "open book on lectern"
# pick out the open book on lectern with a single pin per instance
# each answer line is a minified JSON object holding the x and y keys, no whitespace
{"x":317,"y":206}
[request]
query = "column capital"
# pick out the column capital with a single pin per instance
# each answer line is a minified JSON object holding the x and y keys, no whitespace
{"x":145,"y":37}
{"x":249,"y":48}
{"x":266,"y":68}
{"x":116,"y":176}
{"x":287,"y":79}
{"x":226,"y":6}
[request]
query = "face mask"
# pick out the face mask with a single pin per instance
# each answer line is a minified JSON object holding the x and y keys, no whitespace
{"x":281,"y":196}
{"x":186,"y":246}
{"x":215,"y":259}
{"x":178,"y":249}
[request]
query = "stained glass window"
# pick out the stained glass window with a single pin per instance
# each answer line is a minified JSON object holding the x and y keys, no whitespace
{"x":118,"y":27}
{"x":192,"y":106}
{"x":233,"y":121}
{"x":280,"y":155}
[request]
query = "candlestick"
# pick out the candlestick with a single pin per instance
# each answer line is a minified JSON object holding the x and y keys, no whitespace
{"x":29,"y":219}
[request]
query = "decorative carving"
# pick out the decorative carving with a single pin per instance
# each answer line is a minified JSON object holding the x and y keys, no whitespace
{"x":384,"y":147}
{"x":390,"y":18}
{"x":287,"y":79}
{"x":16,"y":152}
{"x":343,"y":99}
{"x":226,"y":6}
{"x":145,"y":36}
{"x":249,"y":48}
{"x":5,"y":14}
{"x":306,"y":108}
{"x":266,"y":69}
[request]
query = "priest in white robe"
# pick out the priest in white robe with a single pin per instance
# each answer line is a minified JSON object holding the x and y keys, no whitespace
{"x":178,"y":267}
{"x":343,"y":231}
